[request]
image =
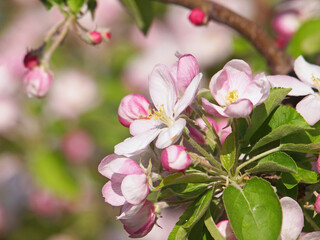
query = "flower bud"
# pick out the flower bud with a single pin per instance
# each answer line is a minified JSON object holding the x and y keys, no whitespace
{"x":197,"y":17}
{"x":37,"y":82}
{"x":31,"y":60}
{"x":175,"y":158}
{"x":94,"y":37}
{"x":133,"y":107}
{"x":317,"y":204}
{"x":106,"y":34}
{"x":225,"y":229}
{"x":142,"y":222}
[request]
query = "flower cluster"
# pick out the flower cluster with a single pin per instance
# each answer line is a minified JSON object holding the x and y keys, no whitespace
{"x":198,"y":153}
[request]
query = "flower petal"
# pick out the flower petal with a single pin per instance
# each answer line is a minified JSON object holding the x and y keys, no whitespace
{"x":219,"y":87}
{"x":135,"y":188}
{"x":111,"y":192}
{"x":239,"y":109}
{"x":136,"y":144}
{"x":188,"y":95}
{"x":240,"y":66}
{"x":213,"y":109}
{"x":298,"y":88}
{"x":129,"y":210}
{"x":162,"y":89}
{"x":104,"y":166}
{"x":310,"y":236}
{"x":259,"y":90}
{"x":306,"y":71}
{"x":309,"y":108}
{"x":187,"y":69}
{"x":170,"y":135}
{"x":142,"y":125}
{"x":292,"y":219}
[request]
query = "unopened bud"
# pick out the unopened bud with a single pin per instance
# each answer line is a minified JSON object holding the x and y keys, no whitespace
{"x":31,"y":60}
{"x":175,"y":158}
{"x":197,"y":17}
{"x":105,"y":33}
{"x":94,"y":37}
{"x":317,"y":204}
{"x":37,"y":82}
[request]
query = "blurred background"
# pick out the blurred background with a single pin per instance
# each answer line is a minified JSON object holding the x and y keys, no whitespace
{"x":50,"y":148}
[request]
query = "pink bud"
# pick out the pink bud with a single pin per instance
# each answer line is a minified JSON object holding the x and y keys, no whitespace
{"x":286,"y":24}
{"x":317,"y":204}
{"x":197,"y":17}
{"x":187,"y":69}
{"x":94,"y":37}
{"x":175,"y":158}
{"x":30,"y":60}
{"x":225,"y":229}
{"x":318,"y":164}
{"x":37,"y":82}
{"x":133,"y":107}
{"x":142,"y":222}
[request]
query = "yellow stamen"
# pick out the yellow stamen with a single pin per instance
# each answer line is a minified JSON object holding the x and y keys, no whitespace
{"x":231,"y":97}
{"x":160,"y":115}
{"x":316,"y":81}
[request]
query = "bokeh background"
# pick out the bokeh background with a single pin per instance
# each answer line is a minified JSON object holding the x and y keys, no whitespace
{"x":50,"y":148}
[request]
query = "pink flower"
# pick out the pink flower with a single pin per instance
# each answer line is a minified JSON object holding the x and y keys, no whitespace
{"x":220,"y":126}
{"x":37,"y":82}
{"x":94,"y":37}
{"x":133,"y":107}
{"x":128,"y":181}
{"x":236,"y":91}
{"x":197,"y":17}
{"x":317,"y":204}
{"x":165,"y":122}
{"x":175,"y":158}
{"x":225,"y":229}
{"x":140,"y":223}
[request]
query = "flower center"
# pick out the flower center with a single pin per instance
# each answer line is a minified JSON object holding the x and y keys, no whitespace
{"x":316,"y":82}
{"x":231,"y":97}
{"x":160,"y":115}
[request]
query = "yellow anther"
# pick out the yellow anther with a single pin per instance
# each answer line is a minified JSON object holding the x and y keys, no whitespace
{"x":316,"y":81}
{"x":232,"y":96}
{"x":160,"y":115}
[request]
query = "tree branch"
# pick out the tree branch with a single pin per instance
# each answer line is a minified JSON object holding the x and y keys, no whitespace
{"x":278,"y":61}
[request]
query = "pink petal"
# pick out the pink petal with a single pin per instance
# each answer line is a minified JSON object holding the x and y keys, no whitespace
{"x":309,"y":108}
{"x":104,"y":167}
{"x":306,"y":71}
{"x":310,"y":236}
{"x":240,"y":66}
{"x":175,"y":158}
{"x":259,"y":90}
{"x":239,"y":109}
{"x":298,"y":88}
{"x":135,"y":188}
{"x":162,"y":89}
{"x":219,"y":87}
{"x":128,"y":210}
{"x":136,"y":144}
{"x":187,"y":69}
{"x":142,"y":125}
{"x":188,"y":95}
{"x":213,"y":109}
{"x":111,"y":192}
{"x":292,"y":219}
{"x":170,"y":135}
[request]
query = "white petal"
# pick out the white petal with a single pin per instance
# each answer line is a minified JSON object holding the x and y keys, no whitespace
{"x":162,"y":89}
{"x":310,"y":236}
{"x":170,"y":135}
{"x":135,"y":188}
{"x":136,"y":144}
{"x":292,"y":219}
{"x":142,"y":125}
{"x":188,"y":95}
{"x":309,"y":108}
{"x":306,"y":71}
{"x":213,"y":109}
{"x":128,"y":210}
{"x":239,"y":109}
{"x":298,"y":88}
{"x":111,"y":192}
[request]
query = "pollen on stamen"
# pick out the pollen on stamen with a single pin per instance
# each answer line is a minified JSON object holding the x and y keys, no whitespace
{"x":316,"y":81}
{"x":231,"y":97}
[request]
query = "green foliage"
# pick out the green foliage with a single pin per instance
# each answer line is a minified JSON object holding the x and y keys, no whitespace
{"x":290,"y":180}
{"x":141,"y":11}
{"x":75,"y":5}
{"x":184,"y":190}
{"x":228,"y":152}
{"x":254,"y":212}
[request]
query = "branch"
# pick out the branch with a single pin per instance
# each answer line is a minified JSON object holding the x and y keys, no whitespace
{"x":278,"y":61}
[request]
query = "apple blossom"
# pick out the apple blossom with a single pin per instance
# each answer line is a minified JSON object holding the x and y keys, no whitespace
{"x":175,"y":158}
{"x":236,"y":91}
{"x":197,"y":17}
{"x":37,"y":82}
{"x":165,"y":122}
{"x":128,"y":181}
{"x":133,"y":107}
{"x":140,"y":223}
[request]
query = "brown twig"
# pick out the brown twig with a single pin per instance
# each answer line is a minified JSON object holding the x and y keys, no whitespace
{"x":278,"y":61}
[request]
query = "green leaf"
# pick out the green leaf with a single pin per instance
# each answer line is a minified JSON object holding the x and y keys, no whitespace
{"x":306,"y":39}
{"x":47,"y":4}
{"x":51,"y":171}
{"x":186,"y":190}
{"x":92,"y":5}
{"x":278,"y":161}
{"x":261,"y":112}
{"x":212,"y":227}
{"x":191,"y":216}
{"x":141,"y":11}
{"x":254,"y":212}
{"x":290,"y":180}
{"x":189,"y":176}
{"x":284,"y":121}
{"x":75,"y":5}
{"x":228,"y":152}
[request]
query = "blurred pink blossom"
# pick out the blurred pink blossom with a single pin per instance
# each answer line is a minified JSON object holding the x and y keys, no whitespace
{"x":37,"y":82}
{"x":44,"y":203}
